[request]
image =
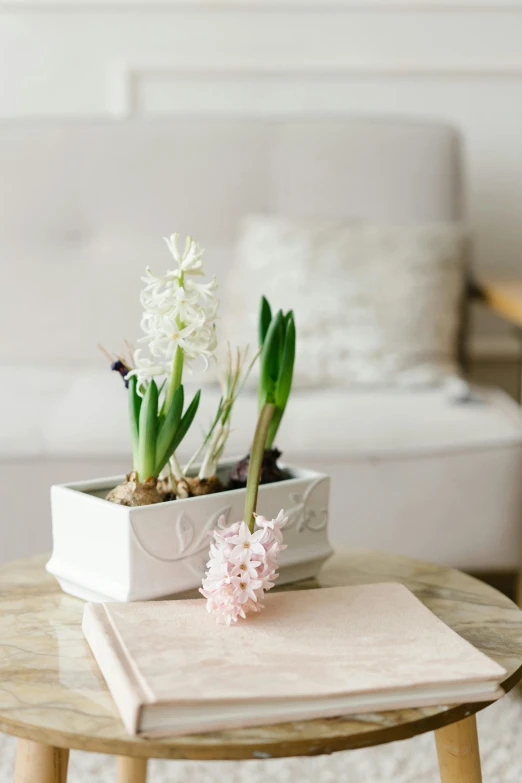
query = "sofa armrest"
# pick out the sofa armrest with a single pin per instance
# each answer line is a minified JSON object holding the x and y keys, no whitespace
{"x":502,"y":297}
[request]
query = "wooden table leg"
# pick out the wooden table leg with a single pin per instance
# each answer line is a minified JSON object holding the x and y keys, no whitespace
{"x":518,"y":589}
{"x":131,"y":770}
{"x":458,"y":752}
{"x":37,"y":763}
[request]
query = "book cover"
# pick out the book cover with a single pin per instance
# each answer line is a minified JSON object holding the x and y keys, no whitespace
{"x":312,"y":653}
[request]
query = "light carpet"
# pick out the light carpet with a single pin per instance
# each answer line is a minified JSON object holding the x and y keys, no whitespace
{"x":410,"y":761}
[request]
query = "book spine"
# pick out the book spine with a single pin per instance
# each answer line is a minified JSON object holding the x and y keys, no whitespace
{"x":113,"y":665}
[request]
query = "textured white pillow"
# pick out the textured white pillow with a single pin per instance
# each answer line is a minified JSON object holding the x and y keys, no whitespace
{"x":375,"y":305}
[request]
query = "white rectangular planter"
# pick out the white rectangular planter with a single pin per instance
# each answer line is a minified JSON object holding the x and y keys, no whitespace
{"x":106,"y":552}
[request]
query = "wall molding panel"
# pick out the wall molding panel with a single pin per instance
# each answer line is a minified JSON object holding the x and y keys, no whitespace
{"x":270,"y":6}
{"x":458,"y":61}
{"x":127,"y":80}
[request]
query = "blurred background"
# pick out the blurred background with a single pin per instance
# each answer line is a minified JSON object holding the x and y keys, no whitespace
{"x":370,"y":136}
{"x":88,"y":190}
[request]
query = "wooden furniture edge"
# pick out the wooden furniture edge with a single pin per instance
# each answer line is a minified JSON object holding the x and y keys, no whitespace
{"x":230,"y":751}
{"x":457,"y":750}
{"x":502,"y":297}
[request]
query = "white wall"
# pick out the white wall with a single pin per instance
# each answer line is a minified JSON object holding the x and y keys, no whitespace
{"x":461,"y":61}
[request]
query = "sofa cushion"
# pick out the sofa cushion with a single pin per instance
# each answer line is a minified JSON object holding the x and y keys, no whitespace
{"x":375,"y":304}
{"x":83,"y":412}
{"x":85,"y":204}
{"x":344,"y":424}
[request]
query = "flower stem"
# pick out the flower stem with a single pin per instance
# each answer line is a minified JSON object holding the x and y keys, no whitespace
{"x":177,"y":363}
{"x":256,"y":462}
{"x":175,"y":376}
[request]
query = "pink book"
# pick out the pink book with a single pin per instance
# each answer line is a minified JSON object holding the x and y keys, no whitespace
{"x":309,"y":654}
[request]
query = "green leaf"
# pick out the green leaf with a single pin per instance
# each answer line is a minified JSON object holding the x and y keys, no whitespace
{"x":160,"y":388}
{"x":273,"y":428}
{"x":161,"y":408}
{"x":284,"y":381}
{"x":281,"y":342}
{"x":265,"y":317}
{"x":183,"y":428}
{"x":186,"y":421}
{"x":134,"y":416}
{"x":147,"y":433}
{"x":215,"y":421}
{"x":169,"y":426}
{"x":286,"y":369}
{"x":270,"y":360}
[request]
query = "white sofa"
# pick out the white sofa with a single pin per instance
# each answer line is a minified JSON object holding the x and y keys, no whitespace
{"x":84,"y":207}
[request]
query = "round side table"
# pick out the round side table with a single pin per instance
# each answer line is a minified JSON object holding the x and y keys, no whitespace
{"x":53,"y":697}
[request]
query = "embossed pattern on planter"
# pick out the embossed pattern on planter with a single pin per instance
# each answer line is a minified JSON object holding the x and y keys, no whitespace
{"x":189,"y":538}
{"x":303,"y":514}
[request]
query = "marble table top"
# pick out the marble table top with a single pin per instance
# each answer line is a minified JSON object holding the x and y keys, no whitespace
{"x":52,"y":692}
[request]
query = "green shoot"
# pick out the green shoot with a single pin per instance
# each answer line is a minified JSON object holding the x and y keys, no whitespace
{"x":145,"y":467}
{"x":181,"y":431}
{"x":169,"y":427}
{"x":134,"y":416}
{"x":232,"y":383}
{"x":278,"y":340}
{"x":265,"y":316}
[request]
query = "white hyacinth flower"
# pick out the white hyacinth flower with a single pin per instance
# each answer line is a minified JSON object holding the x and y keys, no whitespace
{"x":191,"y":259}
{"x":148,"y":369}
{"x":178,"y":314}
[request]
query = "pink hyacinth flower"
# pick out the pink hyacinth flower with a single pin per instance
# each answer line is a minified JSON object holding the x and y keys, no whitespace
{"x":242,"y":567}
